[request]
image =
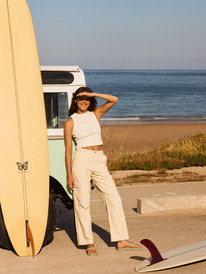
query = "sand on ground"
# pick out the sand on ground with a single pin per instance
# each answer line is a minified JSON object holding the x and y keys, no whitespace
{"x":166,"y":229}
{"x":137,"y":137}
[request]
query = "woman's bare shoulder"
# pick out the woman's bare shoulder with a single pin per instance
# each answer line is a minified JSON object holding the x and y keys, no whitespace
{"x":69,"y":123}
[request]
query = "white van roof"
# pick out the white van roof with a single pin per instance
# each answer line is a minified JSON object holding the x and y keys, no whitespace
{"x":61,"y":68}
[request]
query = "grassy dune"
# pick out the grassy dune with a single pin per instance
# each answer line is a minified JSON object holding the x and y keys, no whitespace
{"x":185,"y":152}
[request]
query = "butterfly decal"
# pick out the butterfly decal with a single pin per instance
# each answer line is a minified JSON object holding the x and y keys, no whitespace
{"x":23,"y":166}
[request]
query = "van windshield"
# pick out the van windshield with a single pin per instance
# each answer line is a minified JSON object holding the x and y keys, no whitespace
{"x":56,"y":105}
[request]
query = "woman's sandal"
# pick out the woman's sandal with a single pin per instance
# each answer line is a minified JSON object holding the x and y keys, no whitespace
{"x":92,"y":248}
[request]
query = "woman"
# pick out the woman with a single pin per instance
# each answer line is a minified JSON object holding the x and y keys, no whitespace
{"x":89,"y":162}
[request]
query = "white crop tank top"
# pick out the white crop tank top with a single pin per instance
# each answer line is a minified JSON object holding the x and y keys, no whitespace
{"x":86,"y":130}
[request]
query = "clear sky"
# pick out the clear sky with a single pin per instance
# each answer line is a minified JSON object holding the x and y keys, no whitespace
{"x":121,"y":34}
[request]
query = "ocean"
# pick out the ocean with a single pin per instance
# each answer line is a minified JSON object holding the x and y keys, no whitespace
{"x":151,"y":96}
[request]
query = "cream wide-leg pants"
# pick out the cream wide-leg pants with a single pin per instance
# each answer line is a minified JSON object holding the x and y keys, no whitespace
{"x":87,"y":165}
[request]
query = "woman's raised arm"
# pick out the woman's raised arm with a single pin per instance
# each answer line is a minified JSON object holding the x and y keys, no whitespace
{"x":101,"y":110}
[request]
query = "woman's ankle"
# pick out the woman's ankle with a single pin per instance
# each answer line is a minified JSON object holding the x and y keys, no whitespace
{"x":90,"y":245}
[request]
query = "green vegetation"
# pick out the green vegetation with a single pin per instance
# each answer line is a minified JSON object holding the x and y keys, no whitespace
{"x":185,"y":152}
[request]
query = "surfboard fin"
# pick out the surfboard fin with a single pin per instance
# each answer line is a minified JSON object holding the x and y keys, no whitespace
{"x":29,"y":238}
{"x":155,"y":254}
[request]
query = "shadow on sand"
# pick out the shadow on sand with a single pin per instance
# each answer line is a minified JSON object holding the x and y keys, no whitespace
{"x":66,"y":222}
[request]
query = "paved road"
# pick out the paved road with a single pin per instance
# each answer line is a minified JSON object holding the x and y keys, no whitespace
{"x":167,"y":229}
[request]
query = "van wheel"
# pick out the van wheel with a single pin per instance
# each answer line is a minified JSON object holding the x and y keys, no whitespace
{"x":4,"y":238}
{"x":51,"y":222}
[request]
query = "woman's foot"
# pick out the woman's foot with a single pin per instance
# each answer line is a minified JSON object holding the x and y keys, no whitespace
{"x":126,"y":245}
{"x":91,"y":250}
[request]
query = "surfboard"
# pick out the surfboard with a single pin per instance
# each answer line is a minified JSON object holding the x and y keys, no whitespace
{"x":172,"y":258}
{"x":24,"y":176}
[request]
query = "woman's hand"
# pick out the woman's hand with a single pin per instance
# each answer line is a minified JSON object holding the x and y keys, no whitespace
{"x":70,"y":182}
{"x":85,"y":93}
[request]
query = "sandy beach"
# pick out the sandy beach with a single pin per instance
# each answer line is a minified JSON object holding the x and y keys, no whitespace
{"x":136,"y":137}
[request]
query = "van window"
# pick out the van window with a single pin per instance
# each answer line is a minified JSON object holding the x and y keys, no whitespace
{"x":56,"y":105}
{"x":56,"y":77}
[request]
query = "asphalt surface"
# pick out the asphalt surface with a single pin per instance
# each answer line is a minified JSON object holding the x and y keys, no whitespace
{"x":167,"y":230}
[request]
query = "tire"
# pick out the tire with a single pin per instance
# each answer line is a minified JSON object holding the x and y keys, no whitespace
{"x":4,"y":238}
{"x":51,"y":222}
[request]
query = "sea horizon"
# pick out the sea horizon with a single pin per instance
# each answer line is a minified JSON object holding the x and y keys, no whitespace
{"x":151,"y":96}
{"x":130,"y":69}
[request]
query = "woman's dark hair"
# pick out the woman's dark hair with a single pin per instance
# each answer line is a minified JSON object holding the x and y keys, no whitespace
{"x":73,"y":107}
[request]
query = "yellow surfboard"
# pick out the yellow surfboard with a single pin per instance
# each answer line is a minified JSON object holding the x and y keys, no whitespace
{"x":24,"y":176}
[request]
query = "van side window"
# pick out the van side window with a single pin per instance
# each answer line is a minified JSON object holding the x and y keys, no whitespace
{"x":56,"y":105}
{"x":56,"y":77}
